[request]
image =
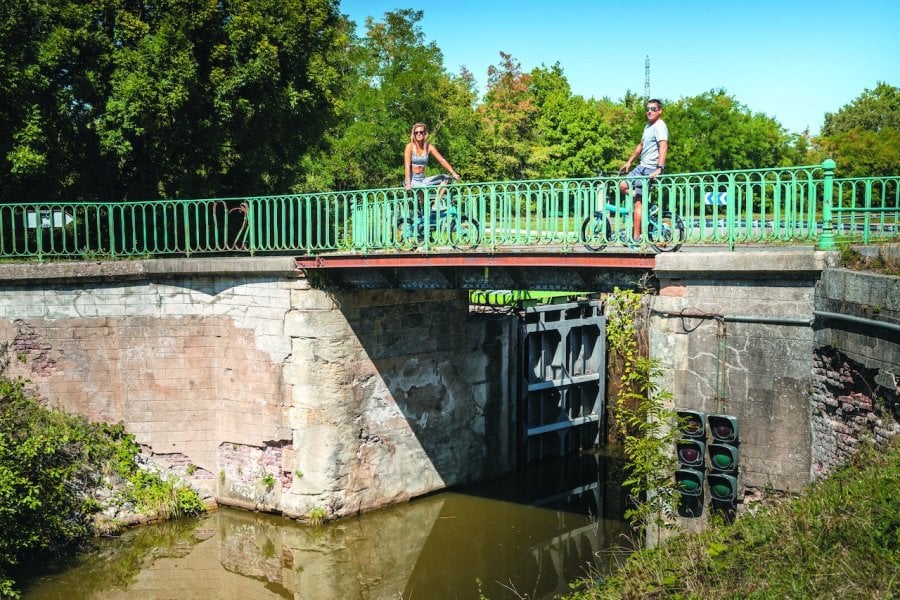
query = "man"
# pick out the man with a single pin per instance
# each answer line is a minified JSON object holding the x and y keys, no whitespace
{"x":652,"y":149}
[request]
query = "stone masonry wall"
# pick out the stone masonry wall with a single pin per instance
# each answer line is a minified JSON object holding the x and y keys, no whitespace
{"x":394,"y":394}
{"x":733,"y":334}
{"x":269,"y":394}
{"x":856,"y":375}
{"x":185,"y":362}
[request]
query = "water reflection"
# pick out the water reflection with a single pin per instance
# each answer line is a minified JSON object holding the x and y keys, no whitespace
{"x":524,"y":536}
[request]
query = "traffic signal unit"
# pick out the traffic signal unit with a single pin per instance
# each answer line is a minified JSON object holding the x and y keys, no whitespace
{"x":692,"y":450}
{"x":723,"y":460}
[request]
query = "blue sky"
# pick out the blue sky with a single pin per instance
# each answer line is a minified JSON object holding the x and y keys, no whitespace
{"x":793,"y":60}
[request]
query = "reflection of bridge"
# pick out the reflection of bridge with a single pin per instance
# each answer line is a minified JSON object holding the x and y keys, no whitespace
{"x":729,"y":208}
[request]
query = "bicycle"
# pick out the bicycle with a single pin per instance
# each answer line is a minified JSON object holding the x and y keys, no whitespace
{"x":665,"y":230}
{"x":443,"y":225}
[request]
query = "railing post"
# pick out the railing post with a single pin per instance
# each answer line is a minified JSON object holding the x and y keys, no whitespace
{"x":730,"y":211}
{"x":250,"y":233}
{"x":826,"y":240}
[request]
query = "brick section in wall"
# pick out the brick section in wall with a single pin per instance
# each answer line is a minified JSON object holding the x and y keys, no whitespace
{"x":848,"y":406}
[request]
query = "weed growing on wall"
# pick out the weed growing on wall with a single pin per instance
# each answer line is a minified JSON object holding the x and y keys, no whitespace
{"x":641,"y":418}
{"x":316,"y":516}
{"x":884,"y":262}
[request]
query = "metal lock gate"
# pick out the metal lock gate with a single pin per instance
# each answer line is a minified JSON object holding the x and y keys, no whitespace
{"x":562,"y":392}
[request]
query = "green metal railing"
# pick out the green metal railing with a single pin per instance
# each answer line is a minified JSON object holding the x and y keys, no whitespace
{"x":804,"y":204}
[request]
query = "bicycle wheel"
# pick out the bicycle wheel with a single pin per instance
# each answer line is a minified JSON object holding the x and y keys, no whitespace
{"x":668,"y":233}
{"x":464,"y":234}
{"x":592,"y":234}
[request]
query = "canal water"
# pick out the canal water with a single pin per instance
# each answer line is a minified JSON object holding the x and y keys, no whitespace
{"x":526,"y":536}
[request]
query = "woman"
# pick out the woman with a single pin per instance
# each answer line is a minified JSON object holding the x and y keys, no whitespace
{"x":415,"y":157}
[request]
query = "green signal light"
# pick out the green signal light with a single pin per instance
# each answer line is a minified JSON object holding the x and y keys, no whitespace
{"x":723,"y":457}
{"x":723,"y":461}
{"x":689,"y":481}
{"x":721,"y":491}
{"x":689,"y":485}
{"x":723,"y":488}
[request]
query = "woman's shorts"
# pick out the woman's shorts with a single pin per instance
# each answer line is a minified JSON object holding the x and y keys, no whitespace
{"x":419,"y":180}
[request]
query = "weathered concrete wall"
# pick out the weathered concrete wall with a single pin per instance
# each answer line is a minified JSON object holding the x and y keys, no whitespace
{"x":856,"y":375}
{"x":269,"y":393}
{"x":274,"y":395}
{"x":394,"y":394}
{"x":745,"y":350}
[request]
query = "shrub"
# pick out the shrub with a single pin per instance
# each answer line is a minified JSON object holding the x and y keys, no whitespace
{"x":50,"y":465}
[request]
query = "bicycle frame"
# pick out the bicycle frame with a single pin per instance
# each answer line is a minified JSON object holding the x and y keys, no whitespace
{"x":613,"y":225}
{"x":442,"y":226}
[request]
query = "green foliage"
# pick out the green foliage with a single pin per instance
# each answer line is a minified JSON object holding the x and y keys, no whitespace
{"x":576,"y":137}
{"x":164,"y":498}
{"x":41,"y":470}
{"x":508,"y":114}
{"x":863,"y":137}
{"x":642,"y":418}
{"x":839,"y":540}
{"x":109,"y":100}
{"x":106,"y":101}
{"x":316,"y":516}
{"x":648,"y":446}
{"x":713,"y":132}
{"x":50,"y":465}
{"x":874,"y":110}
{"x":884,"y":262}
{"x":397,"y":80}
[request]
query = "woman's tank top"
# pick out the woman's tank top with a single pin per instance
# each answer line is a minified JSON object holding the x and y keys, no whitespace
{"x":419,"y":160}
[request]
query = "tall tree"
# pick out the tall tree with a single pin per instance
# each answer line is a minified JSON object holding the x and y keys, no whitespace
{"x":400,"y":80}
{"x":508,"y":114}
{"x":576,"y":137}
{"x":174,"y":98}
{"x":863,"y":137}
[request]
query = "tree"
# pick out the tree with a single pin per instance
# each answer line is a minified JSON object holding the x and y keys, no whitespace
{"x":863,"y":137}
{"x":176,"y":98}
{"x":713,"y":132}
{"x":508,"y":113}
{"x":399,"y":80}
{"x":874,"y":110}
{"x":576,"y":137}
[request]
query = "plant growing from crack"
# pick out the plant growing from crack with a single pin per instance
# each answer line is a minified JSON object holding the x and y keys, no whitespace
{"x":316,"y":516}
{"x":642,"y":418}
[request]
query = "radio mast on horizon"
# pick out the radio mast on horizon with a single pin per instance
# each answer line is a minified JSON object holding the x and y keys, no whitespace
{"x":647,"y":77}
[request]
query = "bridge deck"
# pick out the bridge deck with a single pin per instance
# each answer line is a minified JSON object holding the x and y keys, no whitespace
{"x":547,"y":257}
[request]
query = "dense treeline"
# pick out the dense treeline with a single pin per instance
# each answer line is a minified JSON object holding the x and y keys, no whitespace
{"x":125,"y":99}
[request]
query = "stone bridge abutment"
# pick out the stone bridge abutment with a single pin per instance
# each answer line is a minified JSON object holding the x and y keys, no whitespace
{"x":270,"y":394}
{"x":790,"y":345}
{"x":264,"y":392}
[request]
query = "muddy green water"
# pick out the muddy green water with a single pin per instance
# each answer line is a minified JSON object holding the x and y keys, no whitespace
{"x":522,"y":537}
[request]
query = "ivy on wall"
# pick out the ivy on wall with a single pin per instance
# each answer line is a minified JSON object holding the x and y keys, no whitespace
{"x":642,"y":421}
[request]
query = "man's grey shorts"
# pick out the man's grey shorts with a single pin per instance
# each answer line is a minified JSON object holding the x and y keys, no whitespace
{"x":636,"y":177}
